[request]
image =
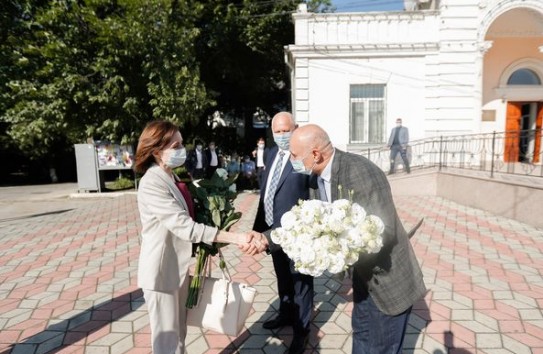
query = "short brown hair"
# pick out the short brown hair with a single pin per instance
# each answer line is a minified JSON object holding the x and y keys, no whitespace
{"x":155,"y":137}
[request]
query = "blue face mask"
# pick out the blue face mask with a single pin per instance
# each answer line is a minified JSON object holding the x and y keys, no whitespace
{"x":175,"y":157}
{"x":299,"y":167}
{"x":282,"y":140}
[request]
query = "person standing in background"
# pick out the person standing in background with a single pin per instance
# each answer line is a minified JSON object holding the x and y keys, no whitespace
{"x":281,"y":189}
{"x":197,"y":161}
{"x":259,"y":154}
{"x":213,"y":161}
{"x":233,"y":168}
{"x":397,"y":142}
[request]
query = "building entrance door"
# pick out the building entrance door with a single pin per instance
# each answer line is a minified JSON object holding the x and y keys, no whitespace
{"x":523,"y":132}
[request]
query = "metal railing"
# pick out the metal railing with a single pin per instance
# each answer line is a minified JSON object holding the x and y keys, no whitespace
{"x":510,"y":152}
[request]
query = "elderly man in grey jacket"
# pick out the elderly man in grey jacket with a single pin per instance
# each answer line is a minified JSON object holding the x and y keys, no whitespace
{"x":397,"y":142}
{"x":385,"y":284}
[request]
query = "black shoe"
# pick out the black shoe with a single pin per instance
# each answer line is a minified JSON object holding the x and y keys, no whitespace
{"x":277,"y":322}
{"x":298,"y":344}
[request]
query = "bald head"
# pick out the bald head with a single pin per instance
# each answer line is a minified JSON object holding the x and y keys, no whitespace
{"x":312,"y":136}
{"x":312,"y":144}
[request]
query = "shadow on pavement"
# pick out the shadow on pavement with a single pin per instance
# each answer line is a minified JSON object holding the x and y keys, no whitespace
{"x":418,"y":320}
{"x":58,"y":336}
{"x":448,"y":339}
{"x":36,"y":215}
{"x":257,"y":338}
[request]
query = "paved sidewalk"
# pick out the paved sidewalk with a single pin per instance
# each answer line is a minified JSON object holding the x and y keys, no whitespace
{"x":67,"y":285}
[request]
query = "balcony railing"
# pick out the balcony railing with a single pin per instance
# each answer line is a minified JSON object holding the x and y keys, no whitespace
{"x":510,"y":152}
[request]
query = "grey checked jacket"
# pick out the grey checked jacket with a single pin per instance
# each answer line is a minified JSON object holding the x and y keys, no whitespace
{"x":392,"y":277}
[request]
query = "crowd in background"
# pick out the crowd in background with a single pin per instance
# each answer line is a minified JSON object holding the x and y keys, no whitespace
{"x":202,"y":161}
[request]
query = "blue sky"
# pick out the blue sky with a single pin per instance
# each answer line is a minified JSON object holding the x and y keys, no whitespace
{"x":367,"y":5}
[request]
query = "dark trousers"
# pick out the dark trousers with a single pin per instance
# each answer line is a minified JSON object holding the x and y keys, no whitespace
{"x":259,"y":171}
{"x":295,"y":293}
{"x":210,"y":170}
{"x":375,"y":332}
{"x":198,"y":173}
{"x":394,"y":150}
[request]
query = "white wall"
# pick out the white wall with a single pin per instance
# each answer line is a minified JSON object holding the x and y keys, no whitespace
{"x":329,"y":90}
{"x":431,"y":62}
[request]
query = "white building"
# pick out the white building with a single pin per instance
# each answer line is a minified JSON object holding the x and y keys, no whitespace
{"x":458,"y":67}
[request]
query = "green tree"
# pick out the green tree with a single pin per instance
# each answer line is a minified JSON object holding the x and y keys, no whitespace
{"x":100,"y":69}
{"x":74,"y":69}
{"x":241,"y":55}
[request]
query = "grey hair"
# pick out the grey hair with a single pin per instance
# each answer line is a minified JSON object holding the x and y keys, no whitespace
{"x":285,"y":114}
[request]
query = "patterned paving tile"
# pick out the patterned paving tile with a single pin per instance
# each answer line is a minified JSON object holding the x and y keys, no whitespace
{"x":68,"y":285}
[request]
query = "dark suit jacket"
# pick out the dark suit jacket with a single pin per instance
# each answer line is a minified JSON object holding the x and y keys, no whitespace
{"x":192,"y":160}
{"x":208,"y":157}
{"x":291,"y":188}
{"x":393,"y":276}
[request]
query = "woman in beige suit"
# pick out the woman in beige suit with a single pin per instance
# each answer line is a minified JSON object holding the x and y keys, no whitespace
{"x":167,"y":236}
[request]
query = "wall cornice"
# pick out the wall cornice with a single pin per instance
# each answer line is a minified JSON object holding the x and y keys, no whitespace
{"x":366,"y":16}
{"x":363,"y":50}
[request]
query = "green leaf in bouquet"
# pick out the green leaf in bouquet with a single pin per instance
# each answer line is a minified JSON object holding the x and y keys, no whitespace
{"x":212,"y":203}
{"x":232,"y":218}
{"x":216,"y":217}
{"x":221,"y":203}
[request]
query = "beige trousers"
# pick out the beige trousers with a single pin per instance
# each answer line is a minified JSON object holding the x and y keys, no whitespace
{"x":168,"y":319}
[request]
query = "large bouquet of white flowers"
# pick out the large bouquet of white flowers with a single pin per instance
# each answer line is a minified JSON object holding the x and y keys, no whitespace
{"x":321,"y":236}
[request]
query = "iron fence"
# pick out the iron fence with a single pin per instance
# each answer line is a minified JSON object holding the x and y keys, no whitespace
{"x":510,"y":152}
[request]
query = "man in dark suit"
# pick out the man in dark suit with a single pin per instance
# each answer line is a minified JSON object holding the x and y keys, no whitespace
{"x":397,"y":142}
{"x":213,"y":159}
{"x":197,"y":161}
{"x":280,"y":190}
{"x":386,"y":284}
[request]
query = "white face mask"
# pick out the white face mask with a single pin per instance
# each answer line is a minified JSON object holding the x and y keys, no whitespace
{"x":174,"y":157}
{"x":282,"y":140}
{"x":198,"y":147}
{"x":299,"y":167}
{"x":261,"y":145}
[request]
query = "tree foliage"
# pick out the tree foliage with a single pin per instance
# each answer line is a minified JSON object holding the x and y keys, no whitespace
{"x":74,"y":69}
{"x":100,"y":69}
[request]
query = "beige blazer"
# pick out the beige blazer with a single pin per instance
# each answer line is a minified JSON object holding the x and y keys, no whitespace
{"x":167,"y":233}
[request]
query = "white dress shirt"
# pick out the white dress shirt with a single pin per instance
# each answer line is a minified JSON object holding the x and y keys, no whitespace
{"x":199,"y":164}
{"x":326,"y":176}
{"x":260,"y":157}
{"x":214,"y":160}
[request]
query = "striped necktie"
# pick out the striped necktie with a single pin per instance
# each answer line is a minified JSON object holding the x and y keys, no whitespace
{"x":268,"y":201}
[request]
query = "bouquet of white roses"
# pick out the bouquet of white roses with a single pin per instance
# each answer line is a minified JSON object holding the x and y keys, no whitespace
{"x":321,"y":236}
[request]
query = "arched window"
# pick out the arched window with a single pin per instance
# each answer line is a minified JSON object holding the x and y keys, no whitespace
{"x":524,"y":77}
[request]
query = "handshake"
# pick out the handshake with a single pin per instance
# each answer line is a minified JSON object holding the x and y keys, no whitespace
{"x":253,"y":243}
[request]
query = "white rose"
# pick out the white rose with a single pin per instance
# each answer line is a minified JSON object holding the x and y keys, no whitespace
{"x":308,"y":257}
{"x":355,"y":238}
{"x":358,"y":214}
{"x":341,"y":204}
{"x":337,"y":264}
{"x":310,"y":211}
{"x":288,"y":220}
